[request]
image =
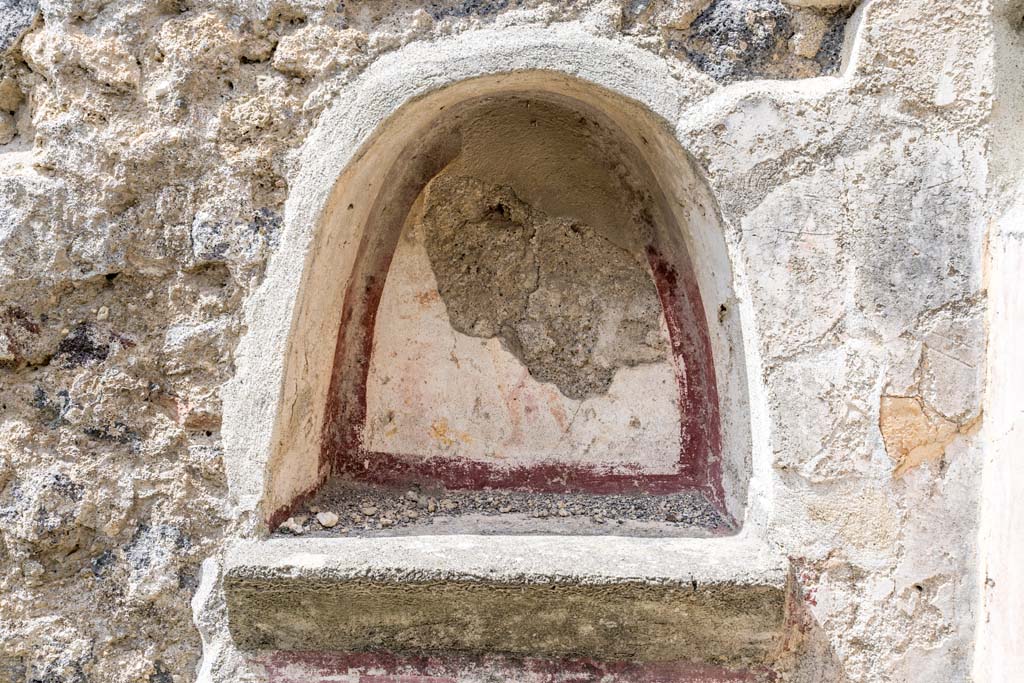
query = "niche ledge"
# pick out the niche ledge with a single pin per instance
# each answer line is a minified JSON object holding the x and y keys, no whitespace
{"x":720,"y":600}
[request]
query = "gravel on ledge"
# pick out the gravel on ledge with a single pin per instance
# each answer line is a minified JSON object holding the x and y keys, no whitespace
{"x":364,"y":510}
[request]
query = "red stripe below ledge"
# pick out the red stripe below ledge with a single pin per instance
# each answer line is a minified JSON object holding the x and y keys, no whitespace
{"x":325,"y":667}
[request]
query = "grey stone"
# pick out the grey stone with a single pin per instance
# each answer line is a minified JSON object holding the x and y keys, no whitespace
{"x":721,"y":600}
{"x":16,"y":18}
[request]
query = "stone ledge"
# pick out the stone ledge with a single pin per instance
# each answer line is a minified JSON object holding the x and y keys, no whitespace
{"x":718,"y":600}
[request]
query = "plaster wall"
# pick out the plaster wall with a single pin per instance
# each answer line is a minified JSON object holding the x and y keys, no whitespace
{"x":1000,"y":647}
{"x":1000,"y":641}
{"x":156,"y":157}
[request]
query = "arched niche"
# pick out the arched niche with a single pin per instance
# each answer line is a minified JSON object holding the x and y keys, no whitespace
{"x":404,"y":409}
{"x":306,"y":376}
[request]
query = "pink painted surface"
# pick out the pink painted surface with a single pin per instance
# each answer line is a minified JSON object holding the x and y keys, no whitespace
{"x":701,"y":436}
{"x":324,"y":667}
{"x":434,"y":391}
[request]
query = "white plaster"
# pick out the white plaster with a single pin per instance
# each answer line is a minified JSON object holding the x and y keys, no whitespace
{"x":999,"y":654}
{"x":735,"y":560}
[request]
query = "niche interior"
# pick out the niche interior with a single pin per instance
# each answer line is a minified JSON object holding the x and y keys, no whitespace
{"x":524,"y":313}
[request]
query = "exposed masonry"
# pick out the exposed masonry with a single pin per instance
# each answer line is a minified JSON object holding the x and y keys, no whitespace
{"x":16,"y":17}
{"x":566,"y":301}
{"x":733,"y":40}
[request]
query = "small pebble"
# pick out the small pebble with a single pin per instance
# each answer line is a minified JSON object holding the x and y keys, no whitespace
{"x":292,"y":526}
{"x":368,"y":510}
{"x":413,"y":496}
{"x":385,"y":522}
{"x":103,"y":313}
{"x":327,"y":519}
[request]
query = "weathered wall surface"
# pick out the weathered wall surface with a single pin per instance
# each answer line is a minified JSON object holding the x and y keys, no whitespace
{"x":146,"y":152}
{"x":1000,"y":641}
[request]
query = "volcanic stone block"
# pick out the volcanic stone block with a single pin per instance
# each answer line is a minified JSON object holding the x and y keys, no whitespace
{"x":709,"y":600}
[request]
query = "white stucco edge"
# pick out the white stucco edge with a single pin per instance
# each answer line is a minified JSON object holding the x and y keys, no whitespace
{"x":733,"y":560}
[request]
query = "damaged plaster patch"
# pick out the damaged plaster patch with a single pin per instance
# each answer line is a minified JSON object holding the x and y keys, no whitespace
{"x":919,"y":416}
{"x":567,"y":302}
{"x":915,"y":435}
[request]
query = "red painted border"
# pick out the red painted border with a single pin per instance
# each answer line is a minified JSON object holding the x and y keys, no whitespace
{"x":312,"y":667}
{"x":700,"y":428}
{"x":699,"y":464}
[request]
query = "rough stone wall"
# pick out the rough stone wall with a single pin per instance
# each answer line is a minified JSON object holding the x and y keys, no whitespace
{"x":145,"y":155}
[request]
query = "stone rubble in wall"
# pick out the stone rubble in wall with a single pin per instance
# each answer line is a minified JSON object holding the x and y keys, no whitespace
{"x":734,"y":40}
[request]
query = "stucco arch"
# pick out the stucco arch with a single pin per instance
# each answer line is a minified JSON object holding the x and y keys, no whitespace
{"x":274,"y":407}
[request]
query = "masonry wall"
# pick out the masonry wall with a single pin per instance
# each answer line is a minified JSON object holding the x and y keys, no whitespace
{"x":147,"y":150}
